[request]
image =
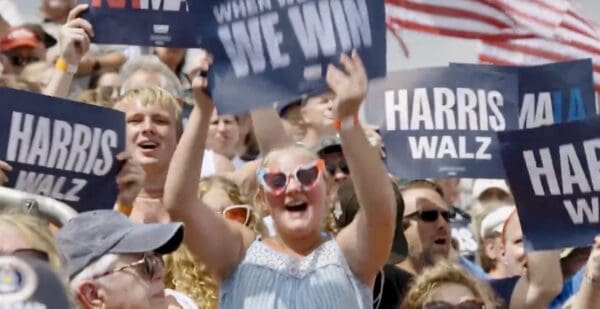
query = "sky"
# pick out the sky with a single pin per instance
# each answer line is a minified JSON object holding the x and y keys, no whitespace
{"x":425,"y":50}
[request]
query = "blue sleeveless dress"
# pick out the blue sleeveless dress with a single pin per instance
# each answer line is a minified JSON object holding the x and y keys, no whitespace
{"x":270,"y":279}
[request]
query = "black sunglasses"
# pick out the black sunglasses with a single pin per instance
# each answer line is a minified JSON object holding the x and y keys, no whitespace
{"x":332,"y":167}
{"x":29,"y":254}
{"x":18,"y":60}
{"x":432,"y":215}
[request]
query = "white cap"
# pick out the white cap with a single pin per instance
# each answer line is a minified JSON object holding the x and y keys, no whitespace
{"x":480,"y":185}
{"x":494,"y":221}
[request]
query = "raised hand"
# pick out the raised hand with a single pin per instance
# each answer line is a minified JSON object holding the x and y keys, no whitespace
{"x":349,"y":85}
{"x":74,"y":36}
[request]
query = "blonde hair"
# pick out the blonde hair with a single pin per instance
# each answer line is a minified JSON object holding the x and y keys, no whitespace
{"x":19,"y":83}
{"x":444,"y":272}
{"x":259,"y":199}
{"x":35,"y":230}
{"x":153,"y":96}
{"x":235,"y":195}
{"x":187,"y":274}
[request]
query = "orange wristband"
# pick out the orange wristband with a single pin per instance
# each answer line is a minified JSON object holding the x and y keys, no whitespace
{"x":124,"y":209}
{"x":64,"y":67}
{"x":346,"y":123}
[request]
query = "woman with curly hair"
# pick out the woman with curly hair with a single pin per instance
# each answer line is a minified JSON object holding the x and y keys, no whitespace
{"x":185,"y":273}
{"x":447,"y":286}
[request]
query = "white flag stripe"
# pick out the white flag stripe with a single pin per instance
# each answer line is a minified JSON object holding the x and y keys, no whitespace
{"x":581,"y":26}
{"x":454,"y":23}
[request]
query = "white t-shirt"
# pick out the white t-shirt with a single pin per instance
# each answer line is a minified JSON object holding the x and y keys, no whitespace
{"x":183,"y":300}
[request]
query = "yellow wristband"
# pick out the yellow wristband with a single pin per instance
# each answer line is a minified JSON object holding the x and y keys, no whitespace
{"x":64,"y":67}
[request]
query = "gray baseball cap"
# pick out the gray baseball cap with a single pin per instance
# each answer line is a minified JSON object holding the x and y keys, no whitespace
{"x":91,"y":235}
{"x":30,"y":283}
{"x":328,"y":144}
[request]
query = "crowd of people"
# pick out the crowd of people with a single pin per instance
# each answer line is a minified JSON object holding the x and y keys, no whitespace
{"x":284,"y":207}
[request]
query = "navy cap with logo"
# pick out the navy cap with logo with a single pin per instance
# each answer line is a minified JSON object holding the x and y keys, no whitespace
{"x":90,"y":235}
{"x":30,"y":283}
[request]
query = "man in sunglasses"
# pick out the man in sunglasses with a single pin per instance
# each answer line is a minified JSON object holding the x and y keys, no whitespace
{"x":22,"y":45}
{"x":427,"y":225}
{"x":113,"y":262}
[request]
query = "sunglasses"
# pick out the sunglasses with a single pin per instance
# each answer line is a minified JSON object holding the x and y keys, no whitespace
{"x":151,"y":262}
{"x":332,"y":167}
{"x":468,"y":304}
{"x":276,"y":182}
{"x":29,"y":254}
{"x":433,"y":215}
{"x":18,"y":60}
{"x":239,"y":213}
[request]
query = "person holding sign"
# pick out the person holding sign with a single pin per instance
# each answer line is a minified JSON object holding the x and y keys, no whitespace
{"x":262,"y":273}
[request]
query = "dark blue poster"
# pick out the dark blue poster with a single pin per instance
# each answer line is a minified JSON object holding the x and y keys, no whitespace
{"x":442,"y":122}
{"x":145,"y":22}
{"x":551,"y":93}
{"x":264,"y":51}
{"x":554,"y":174}
{"x":61,"y":149}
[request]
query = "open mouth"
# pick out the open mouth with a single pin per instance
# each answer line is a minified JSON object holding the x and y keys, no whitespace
{"x":148,"y":145}
{"x":441,"y":241}
{"x":296,"y":206}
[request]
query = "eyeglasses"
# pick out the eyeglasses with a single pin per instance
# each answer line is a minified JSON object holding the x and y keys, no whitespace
{"x":467,"y":304}
{"x":29,"y":253}
{"x":151,"y":263}
{"x":432,"y":215}
{"x":276,"y":182}
{"x":18,"y":60}
{"x":239,"y":213}
{"x":332,"y":167}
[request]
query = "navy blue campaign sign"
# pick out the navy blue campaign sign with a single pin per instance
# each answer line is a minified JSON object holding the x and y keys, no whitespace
{"x":551,"y":93}
{"x":145,"y":22}
{"x":61,"y":149}
{"x":265,"y":51}
{"x":441,"y":122}
{"x":554,"y":174}
{"x":280,"y":49}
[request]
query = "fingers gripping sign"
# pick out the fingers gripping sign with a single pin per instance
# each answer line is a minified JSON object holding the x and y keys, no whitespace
{"x":200,"y":83}
{"x":129,"y":181}
{"x":5,"y":169}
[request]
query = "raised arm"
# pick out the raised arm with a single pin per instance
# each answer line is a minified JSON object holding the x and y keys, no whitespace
{"x":269,"y":130}
{"x":74,"y":43}
{"x":588,"y":295}
{"x":367,"y":241}
{"x":542,"y":282}
{"x":218,"y":243}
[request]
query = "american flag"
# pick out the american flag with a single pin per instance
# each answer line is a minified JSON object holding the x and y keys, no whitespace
{"x":511,"y":32}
